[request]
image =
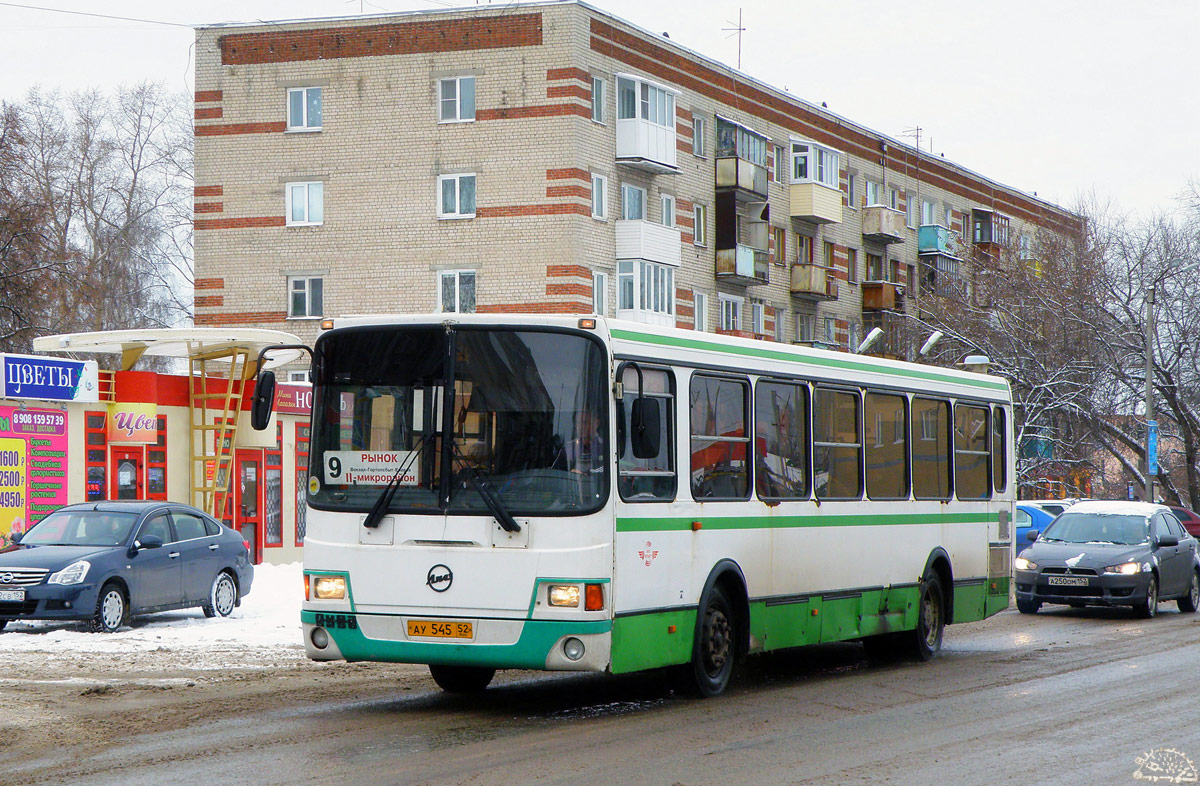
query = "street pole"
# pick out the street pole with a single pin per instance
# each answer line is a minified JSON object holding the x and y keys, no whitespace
{"x":1150,"y":394}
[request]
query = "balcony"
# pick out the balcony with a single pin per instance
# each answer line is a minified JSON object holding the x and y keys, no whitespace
{"x":747,"y":180}
{"x":900,"y":335}
{"x":649,"y":241}
{"x":813,"y":282}
{"x":936,"y":239}
{"x":646,"y":145}
{"x":816,"y":203}
{"x":882,"y":296}
{"x":742,"y":264}
{"x":882,"y":224}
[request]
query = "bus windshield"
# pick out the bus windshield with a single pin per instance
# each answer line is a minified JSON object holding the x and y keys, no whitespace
{"x":526,"y":413}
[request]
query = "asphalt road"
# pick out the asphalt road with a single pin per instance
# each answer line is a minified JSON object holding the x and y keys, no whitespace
{"x":1068,"y":696}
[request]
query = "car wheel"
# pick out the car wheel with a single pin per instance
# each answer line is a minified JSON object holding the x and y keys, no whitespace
{"x":1191,"y":600}
{"x":715,"y":648}
{"x":112,"y":607}
{"x":461,"y":679}
{"x":926,"y":640}
{"x":222,"y":596}
{"x":1149,"y":607}
{"x":1028,"y":606}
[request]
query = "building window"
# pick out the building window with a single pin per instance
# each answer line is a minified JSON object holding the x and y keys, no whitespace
{"x":827,"y":255}
{"x":875,"y":268}
{"x":700,"y":224}
{"x":850,"y":190}
{"x":758,"y":318}
{"x":894,"y":198}
{"x":304,"y":109}
{"x":668,"y":210}
{"x":815,"y":164}
{"x":646,"y":290}
{"x":699,"y":129}
{"x":874,"y":193}
{"x":305,"y":298}
{"x":910,"y":210}
{"x":458,"y":291}
{"x":927,"y":218}
{"x":780,"y":164}
{"x":457,"y":196}
{"x":804,"y":249}
{"x":830,"y":330}
{"x":457,"y":99}
{"x":780,"y":235}
{"x":299,"y":377}
{"x":633,"y":203}
{"x":599,"y":87}
{"x":644,"y":101}
{"x":806,"y":327}
{"x":599,"y":196}
{"x":700,"y":311}
{"x":737,"y":140}
{"x":305,"y":204}
{"x":731,"y":312}
{"x":600,"y":293}
{"x":950,"y":219}
{"x":852,"y":265}
{"x":852,"y":336}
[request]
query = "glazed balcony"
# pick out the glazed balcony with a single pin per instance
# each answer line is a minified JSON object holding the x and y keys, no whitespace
{"x":937,"y":239}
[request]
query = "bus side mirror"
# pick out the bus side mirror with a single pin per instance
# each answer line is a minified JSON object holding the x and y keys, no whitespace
{"x":645,"y":426}
{"x":264,"y":400}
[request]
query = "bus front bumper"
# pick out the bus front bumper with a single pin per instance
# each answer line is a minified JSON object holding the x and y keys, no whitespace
{"x":558,"y":645}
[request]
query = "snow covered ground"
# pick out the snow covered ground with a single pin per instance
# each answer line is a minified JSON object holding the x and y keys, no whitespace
{"x":263,"y":631}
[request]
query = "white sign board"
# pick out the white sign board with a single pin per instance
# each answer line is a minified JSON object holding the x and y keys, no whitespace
{"x":369,"y":467}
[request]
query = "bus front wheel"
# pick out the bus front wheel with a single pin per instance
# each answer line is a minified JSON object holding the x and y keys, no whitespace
{"x":926,"y":640}
{"x":715,"y":649}
{"x":461,"y":679}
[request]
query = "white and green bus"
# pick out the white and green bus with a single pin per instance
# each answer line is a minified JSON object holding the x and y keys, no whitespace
{"x":542,"y":492}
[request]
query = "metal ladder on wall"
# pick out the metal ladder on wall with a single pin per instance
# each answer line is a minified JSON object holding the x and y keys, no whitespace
{"x":212,"y":456}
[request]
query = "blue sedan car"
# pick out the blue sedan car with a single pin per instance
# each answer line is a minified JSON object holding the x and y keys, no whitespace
{"x":105,"y":561}
{"x":1029,"y":517}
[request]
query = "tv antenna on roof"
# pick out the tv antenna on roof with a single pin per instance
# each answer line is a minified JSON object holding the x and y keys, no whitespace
{"x":738,"y":32}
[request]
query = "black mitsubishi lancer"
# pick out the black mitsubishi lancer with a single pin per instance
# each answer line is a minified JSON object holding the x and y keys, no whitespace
{"x":1110,"y":554}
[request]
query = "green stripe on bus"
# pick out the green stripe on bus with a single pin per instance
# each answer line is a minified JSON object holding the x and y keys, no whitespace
{"x":820,"y":362}
{"x":648,"y":524}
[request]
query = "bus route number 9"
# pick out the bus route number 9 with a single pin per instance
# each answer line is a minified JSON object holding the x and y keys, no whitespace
{"x":335,"y":467}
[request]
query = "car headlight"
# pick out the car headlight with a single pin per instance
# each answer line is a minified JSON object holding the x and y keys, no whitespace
{"x":1020,"y":563}
{"x":1125,"y":568}
{"x":72,"y":574}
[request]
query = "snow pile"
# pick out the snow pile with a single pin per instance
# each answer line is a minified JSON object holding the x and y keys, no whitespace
{"x":265,"y":629}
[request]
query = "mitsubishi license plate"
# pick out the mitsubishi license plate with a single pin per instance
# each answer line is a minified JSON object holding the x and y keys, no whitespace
{"x":436,"y":629}
{"x":1067,"y":581}
{"x":12,"y":595}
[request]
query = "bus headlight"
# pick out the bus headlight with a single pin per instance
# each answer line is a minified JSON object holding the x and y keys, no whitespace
{"x":564,"y":595}
{"x":330,"y":587}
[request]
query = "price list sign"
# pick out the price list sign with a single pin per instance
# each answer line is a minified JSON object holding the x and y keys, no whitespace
{"x":33,"y":467}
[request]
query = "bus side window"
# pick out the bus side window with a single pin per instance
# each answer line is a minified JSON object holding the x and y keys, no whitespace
{"x":999,"y":450}
{"x":647,"y":479}
{"x":720,"y":441}
{"x":837,"y":444}
{"x":886,"y":424}
{"x":781,"y":440}
{"x":930,"y":429}
{"x":971,"y":478}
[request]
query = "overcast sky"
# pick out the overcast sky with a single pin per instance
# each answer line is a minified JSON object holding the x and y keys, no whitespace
{"x":1058,"y":97}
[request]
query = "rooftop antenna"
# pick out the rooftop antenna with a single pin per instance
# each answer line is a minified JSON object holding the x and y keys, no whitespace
{"x":738,"y":32}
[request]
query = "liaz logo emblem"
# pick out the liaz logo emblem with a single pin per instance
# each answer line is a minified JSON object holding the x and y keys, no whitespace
{"x":648,"y":554}
{"x":439,"y":578}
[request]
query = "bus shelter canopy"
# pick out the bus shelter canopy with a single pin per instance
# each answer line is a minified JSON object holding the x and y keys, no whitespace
{"x":191,"y":343}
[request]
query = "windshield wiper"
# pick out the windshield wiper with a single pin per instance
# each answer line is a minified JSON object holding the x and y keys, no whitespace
{"x":380,"y":508}
{"x":487,"y":493}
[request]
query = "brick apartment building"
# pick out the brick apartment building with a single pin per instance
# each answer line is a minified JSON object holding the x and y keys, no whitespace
{"x":550,"y":157}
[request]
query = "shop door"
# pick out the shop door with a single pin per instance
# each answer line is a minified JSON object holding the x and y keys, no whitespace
{"x":248,"y":515}
{"x":128,"y":473}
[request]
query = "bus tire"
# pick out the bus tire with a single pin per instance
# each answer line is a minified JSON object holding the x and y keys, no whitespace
{"x":715,"y":647}
{"x":461,"y":679}
{"x":926,"y":640}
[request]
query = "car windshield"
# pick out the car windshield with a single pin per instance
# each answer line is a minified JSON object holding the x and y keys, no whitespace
{"x":1073,"y":527}
{"x":81,"y":528}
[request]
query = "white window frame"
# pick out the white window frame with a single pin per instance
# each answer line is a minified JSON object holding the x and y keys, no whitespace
{"x":850,"y":178}
{"x":910,"y":209}
{"x":626,"y":188}
{"x":699,"y":131}
{"x":306,"y":288}
{"x":667,"y":207}
{"x":806,"y":327}
{"x":459,"y":115}
{"x":699,"y":225}
{"x":600,"y":293}
{"x":813,"y":163}
{"x":599,"y":196}
{"x":458,"y":276}
{"x":874,"y":193}
{"x":830,"y":330}
{"x":927,"y":213}
{"x":304,"y":126}
{"x":457,"y":178}
{"x":599,"y":89}
{"x":299,"y":376}
{"x":758,"y":318}
{"x":893,"y":199}
{"x":781,"y":164}
{"x":653,"y":103}
{"x":950,"y":219}
{"x":289,"y":200}
{"x":700,"y":311}
{"x":731,"y":311}
{"x":646,"y":291}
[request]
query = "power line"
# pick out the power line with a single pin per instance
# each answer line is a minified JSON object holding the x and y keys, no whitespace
{"x":98,"y":16}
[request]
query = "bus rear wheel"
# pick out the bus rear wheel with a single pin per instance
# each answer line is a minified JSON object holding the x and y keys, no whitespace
{"x":926,"y":640}
{"x":462,"y":679}
{"x":715,"y":648}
